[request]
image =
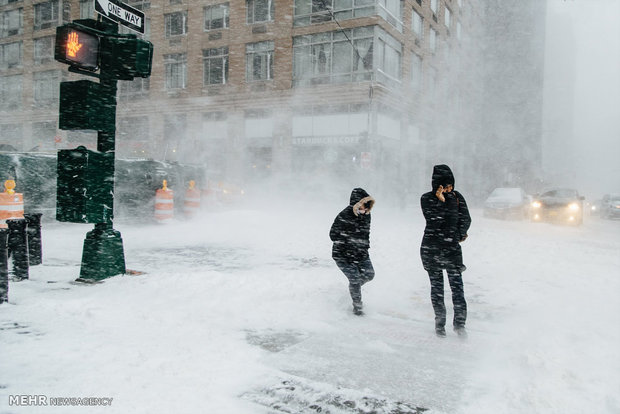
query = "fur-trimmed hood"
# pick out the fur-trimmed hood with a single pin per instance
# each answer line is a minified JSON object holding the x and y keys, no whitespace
{"x":359,"y":197}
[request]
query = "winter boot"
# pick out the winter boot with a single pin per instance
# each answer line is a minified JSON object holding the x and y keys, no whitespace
{"x":357,"y":308}
{"x":440,"y":331}
{"x":460,"y":331}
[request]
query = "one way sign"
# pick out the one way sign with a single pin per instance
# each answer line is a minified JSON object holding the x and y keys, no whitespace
{"x":121,"y":13}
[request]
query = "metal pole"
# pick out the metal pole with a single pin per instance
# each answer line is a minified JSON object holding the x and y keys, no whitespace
{"x":18,"y":247}
{"x":4,"y":266}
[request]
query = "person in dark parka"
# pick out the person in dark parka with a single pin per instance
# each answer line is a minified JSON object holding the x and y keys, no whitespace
{"x":447,"y":223}
{"x":350,"y":233}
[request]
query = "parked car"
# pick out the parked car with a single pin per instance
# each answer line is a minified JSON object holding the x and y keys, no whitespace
{"x":507,"y":203}
{"x":558,"y":205}
{"x":610,"y":206}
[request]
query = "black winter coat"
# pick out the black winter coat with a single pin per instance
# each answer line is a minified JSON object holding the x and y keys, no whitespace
{"x":350,"y":231}
{"x":447,"y":224}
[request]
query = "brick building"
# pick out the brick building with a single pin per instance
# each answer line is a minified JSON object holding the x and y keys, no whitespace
{"x":252,"y":87}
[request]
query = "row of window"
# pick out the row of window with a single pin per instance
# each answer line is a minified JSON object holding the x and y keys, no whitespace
{"x":350,"y":55}
{"x":306,"y":12}
{"x":46,"y":15}
{"x":11,"y":54}
{"x":45,"y":86}
{"x":259,"y":67}
{"x":334,"y":57}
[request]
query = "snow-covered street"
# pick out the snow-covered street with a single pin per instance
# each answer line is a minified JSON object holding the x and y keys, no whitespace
{"x":244,"y":311}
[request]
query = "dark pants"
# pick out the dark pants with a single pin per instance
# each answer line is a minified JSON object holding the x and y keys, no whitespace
{"x":358,"y":273}
{"x":458,"y":296}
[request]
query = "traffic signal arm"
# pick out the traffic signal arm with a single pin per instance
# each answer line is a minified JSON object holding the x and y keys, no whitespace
{"x":117,"y":56}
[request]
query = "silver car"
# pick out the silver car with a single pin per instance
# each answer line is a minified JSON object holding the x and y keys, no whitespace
{"x":507,"y":203}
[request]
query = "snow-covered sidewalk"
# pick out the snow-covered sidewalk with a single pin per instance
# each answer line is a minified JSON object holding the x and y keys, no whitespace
{"x":244,"y":312}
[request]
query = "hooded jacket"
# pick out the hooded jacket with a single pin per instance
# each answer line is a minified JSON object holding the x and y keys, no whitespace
{"x":447,"y":223}
{"x":350,"y":231}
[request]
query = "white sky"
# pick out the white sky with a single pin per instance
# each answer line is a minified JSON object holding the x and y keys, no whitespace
{"x":595,"y":47}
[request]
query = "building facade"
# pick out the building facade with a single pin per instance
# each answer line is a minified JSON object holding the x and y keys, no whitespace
{"x":247,"y":88}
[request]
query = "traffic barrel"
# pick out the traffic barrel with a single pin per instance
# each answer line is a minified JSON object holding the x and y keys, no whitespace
{"x":191,"y":203}
{"x":164,"y":204}
{"x":11,"y":204}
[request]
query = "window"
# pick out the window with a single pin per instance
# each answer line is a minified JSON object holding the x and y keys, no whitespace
{"x":212,"y":141}
{"x":432,"y":82}
{"x":434,"y":6}
{"x":391,"y":11}
{"x":133,"y":137}
{"x":330,"y":58}
{"x":10,"y":92}
{"x":44,"y":50}
{"x":417,"y":24}
{"x":5,"y":2}
{"x":12,"y":23}
{"x":46,"y":87}
{"x":215,"y":66}
{"x":258,"y":124}
{"x":176,"y":24}
{"x":46,"y":15}
{"x":11,"y":55}
{"x":215,"y":126}
{"x":388,"y":58}
{"x":139,"y":4}
{"x":260,"y":11}
{"x":216,"y":17}
{"x":176,"y":71}
{"x":175,"y":129}
{"x":12,"y":134}
{"x":448,"y":17}
{"x":87,"y":9}
{"x":433,"y":40}
{"x":329,"y":121}
{"x":259,"y":61}
{"x":176,"y":2}
{"x":416,"y":72}
{"x":318,"y":11}
{"x":43,"y":134}
{"x":137,"y":88}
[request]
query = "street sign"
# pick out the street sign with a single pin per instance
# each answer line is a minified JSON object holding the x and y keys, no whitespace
{"x":121,"y":13}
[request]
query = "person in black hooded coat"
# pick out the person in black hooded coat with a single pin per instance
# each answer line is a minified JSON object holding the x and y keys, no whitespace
{"x":350,"y":233}
{"x":447,"y":222}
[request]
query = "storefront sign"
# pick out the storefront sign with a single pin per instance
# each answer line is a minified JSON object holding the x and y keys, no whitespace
{"x":341,"y":140}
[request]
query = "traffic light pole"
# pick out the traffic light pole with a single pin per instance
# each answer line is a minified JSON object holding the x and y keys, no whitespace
{"x":85,"y":189}
{"x":103,"y":254}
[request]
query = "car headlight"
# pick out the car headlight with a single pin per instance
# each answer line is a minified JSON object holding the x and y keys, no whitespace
{"x":573,"y":206}
{"x":593,"y":208}
{"x":536,"y":204}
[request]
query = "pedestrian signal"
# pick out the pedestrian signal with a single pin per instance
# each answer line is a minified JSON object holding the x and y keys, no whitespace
{"x":77,"y":47}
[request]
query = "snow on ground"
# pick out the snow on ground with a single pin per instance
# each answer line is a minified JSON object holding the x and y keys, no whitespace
{"x":243,"y":311}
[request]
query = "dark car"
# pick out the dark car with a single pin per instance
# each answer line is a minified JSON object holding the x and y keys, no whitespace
{"x":507,"y":203}
{"x":610,"y":206}
{"x":558,"y":205}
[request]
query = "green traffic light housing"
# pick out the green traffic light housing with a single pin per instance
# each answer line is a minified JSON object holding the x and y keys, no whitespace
{"x":127,"y":57}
